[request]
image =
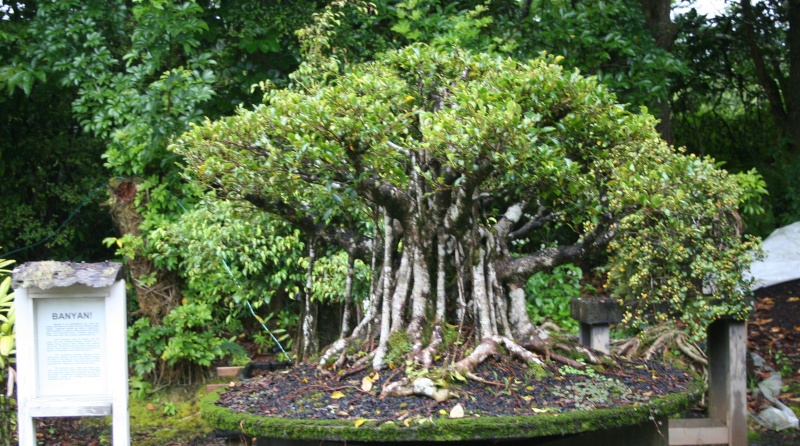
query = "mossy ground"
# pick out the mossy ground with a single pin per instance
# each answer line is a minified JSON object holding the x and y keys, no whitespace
{"x":170,"y":416}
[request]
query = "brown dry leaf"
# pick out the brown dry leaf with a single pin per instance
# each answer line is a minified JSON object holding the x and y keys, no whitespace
{"x":763,"y":321}
{"x":342,"y":413}
{"x":151,"y":407}
{"x":457,"y":411}
{"x":797,"y":328}
{"x":775,"y":329}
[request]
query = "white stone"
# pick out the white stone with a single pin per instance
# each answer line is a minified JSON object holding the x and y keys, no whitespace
{"x":782,"y":260}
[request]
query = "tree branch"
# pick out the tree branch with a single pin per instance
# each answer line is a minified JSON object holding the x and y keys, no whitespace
{"x":358,"y":245}
{"x":523,"y":267}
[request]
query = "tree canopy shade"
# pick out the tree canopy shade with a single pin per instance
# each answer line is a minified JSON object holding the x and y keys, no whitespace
{"x":457,"y":176}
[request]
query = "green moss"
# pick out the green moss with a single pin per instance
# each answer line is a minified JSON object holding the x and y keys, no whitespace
{"x":470,"y":428}
{"x":536,"y":372}
{"x":449,"y":335}
{"x":151,"y":426}
{"x":399,"y":346}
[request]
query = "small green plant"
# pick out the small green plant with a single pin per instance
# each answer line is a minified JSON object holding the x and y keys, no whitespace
{"x":182,"y":342}
{"x":549,"y":293}
{"x":7,"y":354}
{"x":170,"y":409}
{"x":139,"y":388}
{"x":783,"y":363}
{"x":595,"y":390}
{"x":399,"y":346}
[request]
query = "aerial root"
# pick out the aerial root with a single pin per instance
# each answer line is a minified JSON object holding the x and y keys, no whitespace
{"x":425,"y":357}
{"x":336,"y":349}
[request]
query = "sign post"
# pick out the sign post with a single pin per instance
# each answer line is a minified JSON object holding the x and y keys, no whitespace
{"x":72,"y":355}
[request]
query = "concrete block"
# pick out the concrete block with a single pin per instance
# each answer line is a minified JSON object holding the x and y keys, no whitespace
{"x":595,"y":310}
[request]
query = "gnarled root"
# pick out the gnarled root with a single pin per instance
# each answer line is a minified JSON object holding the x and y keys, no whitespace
{"x":420,"y":386}
{"x":488,"y":347}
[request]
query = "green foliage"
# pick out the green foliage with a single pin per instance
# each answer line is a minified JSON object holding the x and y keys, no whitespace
{"x":444,"y":24}
{"x":182,"y":342}
{"x":608,"y":39}
{"x":52,"y":172}
{"x":264,"y":256}
{"x":565,"y":143}
{"x":330,"y":274}
{"x":548,"y":294}
{"x":7,"y":354}
{"x":681,"y":256}
{"x":722,"y":109}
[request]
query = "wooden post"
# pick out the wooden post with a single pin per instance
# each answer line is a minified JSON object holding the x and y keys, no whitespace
{"x":727,"y":386}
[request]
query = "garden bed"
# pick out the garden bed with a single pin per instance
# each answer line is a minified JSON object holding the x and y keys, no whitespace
{"x":514,"y":402}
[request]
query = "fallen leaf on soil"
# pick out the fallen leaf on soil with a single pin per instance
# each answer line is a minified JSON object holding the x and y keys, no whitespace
{"x":359,"y":422}
{"x":797,"y":328}
{"x":150,"y":406}
{"x":775,"y":329}
{"x":763,"y":321}
{"x":457,"y":411}
{"x":793,"y":299}
{"x":366,"y":384}
{"x":336,"y":395}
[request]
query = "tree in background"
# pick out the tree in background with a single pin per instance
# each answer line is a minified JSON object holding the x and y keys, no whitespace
{"x":735,"y":103}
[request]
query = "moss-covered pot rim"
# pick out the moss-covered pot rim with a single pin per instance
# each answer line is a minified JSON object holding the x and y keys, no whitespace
{"x":447,"y":429}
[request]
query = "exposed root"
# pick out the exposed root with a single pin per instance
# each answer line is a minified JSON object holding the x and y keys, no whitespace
{"x":420,"y":386}
{"x":659,"y":341}
{"x":475,"y":377}
{"x":337,"y":348}
{"x":425,"y":357}
{"x":489,"y":347}
{"x":544,"y":349}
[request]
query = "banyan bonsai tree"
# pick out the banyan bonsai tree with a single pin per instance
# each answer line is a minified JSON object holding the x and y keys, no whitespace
{"x":457,"y":176}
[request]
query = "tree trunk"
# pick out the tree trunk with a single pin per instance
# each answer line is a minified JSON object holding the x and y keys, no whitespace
{"x":155,"y":300}
{"x":657,"y":15}
{"x":793,"y":99}
{"x":783,"y":93}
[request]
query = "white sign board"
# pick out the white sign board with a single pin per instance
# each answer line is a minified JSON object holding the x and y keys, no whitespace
{"x":72,"y":355}
{"x":71,"y":346}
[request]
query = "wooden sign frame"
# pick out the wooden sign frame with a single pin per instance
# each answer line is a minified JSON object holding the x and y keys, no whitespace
{"x":72,"y":355}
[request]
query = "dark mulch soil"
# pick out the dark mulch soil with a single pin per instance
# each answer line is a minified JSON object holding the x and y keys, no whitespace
{"x":300,"y":392}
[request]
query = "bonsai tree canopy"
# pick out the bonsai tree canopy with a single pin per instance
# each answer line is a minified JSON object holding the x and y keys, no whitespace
{"x":457,"y":176}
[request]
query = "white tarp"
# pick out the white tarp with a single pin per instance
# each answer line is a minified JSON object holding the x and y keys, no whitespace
{"x":782,"y":261}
